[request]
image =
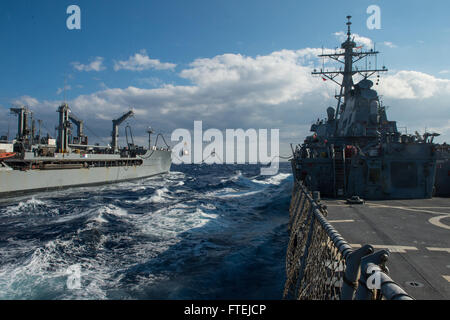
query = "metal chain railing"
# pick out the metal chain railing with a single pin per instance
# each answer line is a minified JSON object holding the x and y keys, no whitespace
{"x":321,"y":265}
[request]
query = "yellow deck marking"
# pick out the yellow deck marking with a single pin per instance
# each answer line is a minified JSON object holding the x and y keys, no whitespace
{"x":337,"y":205}
{"x":431,"y":207}
{"x":391,"y":248}
{"x":434,"y":221}
{"x":437,"y":221}
{"x":406,"y":208}
{"x":340,"y":221}
{"x":415,"y":209}
{"x":439,"y":249}
{"x":400,"y":249}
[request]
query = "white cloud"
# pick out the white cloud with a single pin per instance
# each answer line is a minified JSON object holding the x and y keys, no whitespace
{"x":389,"y":44}
{"x":359,"y":40}
{"x":413,"y":85}
{"x":267,"y":91}
{"x":271,"y":91}
{"x":444,"y":72}
{"x":418,"y":100}
{"x":272,"y":79}
{"x":226,"y":91}
{"x":362,"y":41}
{"x":95,"y":65}
{"x":60,"y":90}
{"x":150,"y":81}
{"x":25,"y":101}
{"x":141,"y":61}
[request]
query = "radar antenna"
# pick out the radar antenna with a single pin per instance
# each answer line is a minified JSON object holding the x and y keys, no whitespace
{"x":348,"y":57}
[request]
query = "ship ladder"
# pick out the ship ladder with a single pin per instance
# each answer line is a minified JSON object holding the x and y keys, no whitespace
{"x":339,"y":171}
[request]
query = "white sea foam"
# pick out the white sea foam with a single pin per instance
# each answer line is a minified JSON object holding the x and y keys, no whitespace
{"x":99,"y":219}
{"x":238,"y":194}
{"x":31,"y":206}
{"x":234,"y":177}
{"x":221,"y":192}
{"x":274,"y":180}
{"x":208,"y":216}
{"x":176,"y":174}
{"x":138,"y":188}
{"x":44,"y":272}
{"x":208,"y":206}
{"x":105,"y":257}
{"x":158,"y":197}
{"x":168,"y":223}
{"x":252,"y":186}
{"x":24,"y":280}
{"x":113,"y":210}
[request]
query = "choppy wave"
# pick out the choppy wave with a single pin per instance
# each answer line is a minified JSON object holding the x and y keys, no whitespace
{"x":199,"y":232}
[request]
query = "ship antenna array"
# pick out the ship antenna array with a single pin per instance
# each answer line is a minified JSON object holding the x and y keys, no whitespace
{"x":64,"y":88}
{"x":9,"y":125}
{"x":348,"y":57}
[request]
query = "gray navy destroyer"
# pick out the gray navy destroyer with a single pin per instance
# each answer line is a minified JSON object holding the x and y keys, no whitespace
{"x":33,"y":163}
{"x":381,"y":187}
{"x":357,"y":150}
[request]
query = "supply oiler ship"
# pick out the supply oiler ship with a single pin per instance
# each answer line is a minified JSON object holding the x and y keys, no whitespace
{"x":33,"y":163}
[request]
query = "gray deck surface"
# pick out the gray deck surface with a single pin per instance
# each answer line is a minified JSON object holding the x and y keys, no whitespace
{"x":417,"y":232}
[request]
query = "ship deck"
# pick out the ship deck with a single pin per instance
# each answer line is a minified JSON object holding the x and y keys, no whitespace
{"x":417,"y":233}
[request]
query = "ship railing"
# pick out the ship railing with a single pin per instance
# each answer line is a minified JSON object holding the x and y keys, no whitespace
{"x":321,"y":264}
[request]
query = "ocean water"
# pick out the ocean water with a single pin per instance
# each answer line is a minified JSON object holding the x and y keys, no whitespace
{"x":198,"y":232}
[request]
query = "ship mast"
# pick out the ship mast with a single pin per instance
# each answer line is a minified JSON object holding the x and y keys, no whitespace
{"x":348,"y":57}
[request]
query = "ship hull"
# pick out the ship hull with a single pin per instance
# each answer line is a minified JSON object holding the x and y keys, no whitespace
{"x":442,"y":184}
{"x":16,"y":182}
{"x":402,"y":172}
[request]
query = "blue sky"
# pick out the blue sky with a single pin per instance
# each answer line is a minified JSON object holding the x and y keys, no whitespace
{"x":38,"y":52}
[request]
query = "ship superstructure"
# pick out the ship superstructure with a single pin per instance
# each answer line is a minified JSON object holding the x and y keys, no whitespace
{"x":442,"y":184}
{"x":356,"y":150}
{"x":33,"y":163}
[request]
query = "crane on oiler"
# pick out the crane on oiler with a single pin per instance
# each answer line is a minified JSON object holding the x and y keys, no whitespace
{"x":81,"y":138}
{"x":115,"y":131}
